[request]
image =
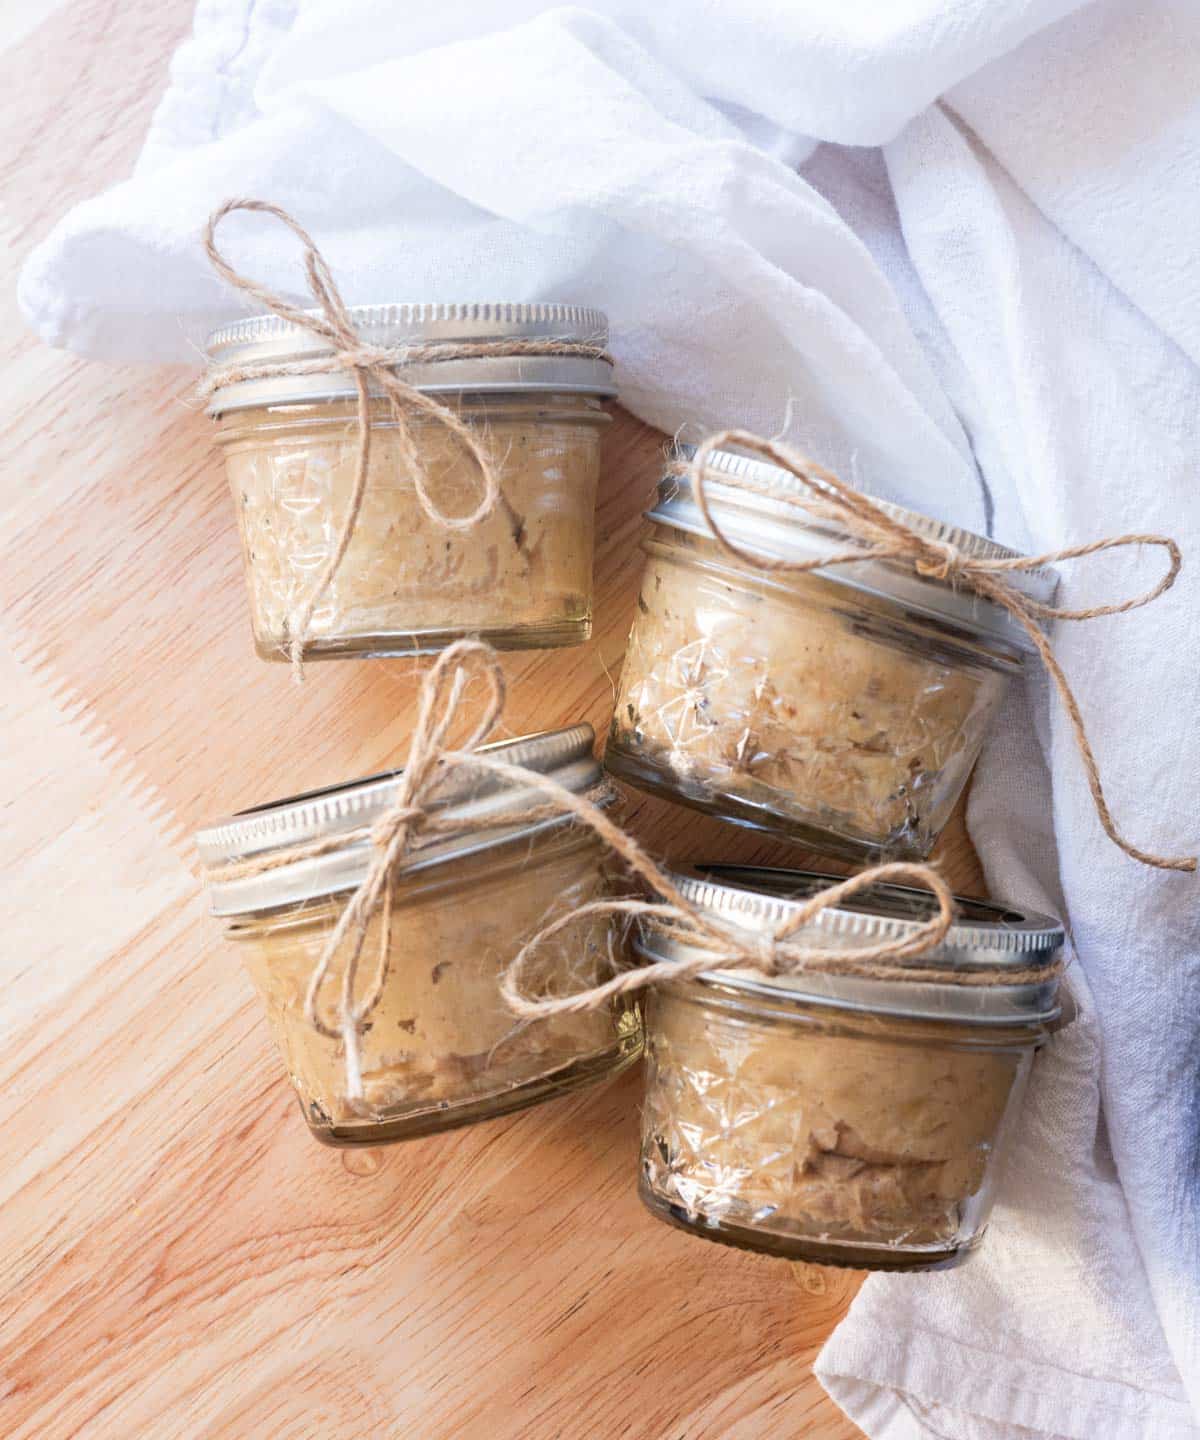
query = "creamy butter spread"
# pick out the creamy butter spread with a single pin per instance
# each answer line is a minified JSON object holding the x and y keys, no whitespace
{"x":869,"y":1131}
{"x":521,"y":576}
{"x":781,"y":705}
{"x":441,"y":1036}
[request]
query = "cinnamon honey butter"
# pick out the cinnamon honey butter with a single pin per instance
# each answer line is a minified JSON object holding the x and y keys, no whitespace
{"x":520,"y":577}
{"x":441,"y":1047}
{"x":838,"y":1119}
{"x":842,"y":709}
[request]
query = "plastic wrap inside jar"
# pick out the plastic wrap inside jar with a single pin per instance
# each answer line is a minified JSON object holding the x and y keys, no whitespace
{"x":520,"y":578}
{"x":441,"y":1047}
{"x":841,"y":709}
{"x":834,"y":1120}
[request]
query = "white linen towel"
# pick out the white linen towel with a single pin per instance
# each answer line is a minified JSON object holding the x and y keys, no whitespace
{"x":952,"y":243}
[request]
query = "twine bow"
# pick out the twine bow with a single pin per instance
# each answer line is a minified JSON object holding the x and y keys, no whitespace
{"x":716,"y":944}
{"x":369,"y":366}
{"x":880,"y":536}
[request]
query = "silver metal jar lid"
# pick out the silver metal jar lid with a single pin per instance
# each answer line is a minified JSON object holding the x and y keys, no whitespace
{"x":781,"y":530}
{"x":984,"y":935}
{"x":565,"y":755}
{"x":266,"y":339}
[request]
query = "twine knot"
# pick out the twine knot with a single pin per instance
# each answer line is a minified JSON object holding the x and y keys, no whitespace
{"x":879,"y":535}
{"x":764,"y":948}
{"x":384,"y":831}
{"x":943,"y":561}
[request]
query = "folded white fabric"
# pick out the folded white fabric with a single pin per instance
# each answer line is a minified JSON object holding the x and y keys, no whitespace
{"x":992,"y":314}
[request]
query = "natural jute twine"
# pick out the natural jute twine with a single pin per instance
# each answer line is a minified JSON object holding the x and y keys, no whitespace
{"x":880,"y":536}
{"x":369,"y":365}
{"x":717,"y":944}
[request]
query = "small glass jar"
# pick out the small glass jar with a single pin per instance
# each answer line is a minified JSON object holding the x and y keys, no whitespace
{"x":521,"y":578}
{"x":841,"y":709}
{"x":441,"y":1048}
{"x":832,"y":1119}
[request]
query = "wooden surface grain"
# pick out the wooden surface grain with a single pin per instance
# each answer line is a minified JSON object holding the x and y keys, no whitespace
{"x":180,"y":1259}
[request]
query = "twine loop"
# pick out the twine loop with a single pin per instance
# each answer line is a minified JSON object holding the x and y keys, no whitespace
{"x":369,"y":366}
{"x":879,"y":535}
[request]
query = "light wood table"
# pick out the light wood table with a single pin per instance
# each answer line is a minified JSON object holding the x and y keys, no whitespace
{"x":180,"y":1259}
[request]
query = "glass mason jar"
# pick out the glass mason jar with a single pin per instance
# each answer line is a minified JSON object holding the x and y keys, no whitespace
{"x":441,"y":1048}
{"x":832,"y":1119}
{"x":842,"y":709}
{"x":521,"y":578}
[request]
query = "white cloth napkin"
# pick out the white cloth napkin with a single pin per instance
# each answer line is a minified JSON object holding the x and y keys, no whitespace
{"x":949,"y":245}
